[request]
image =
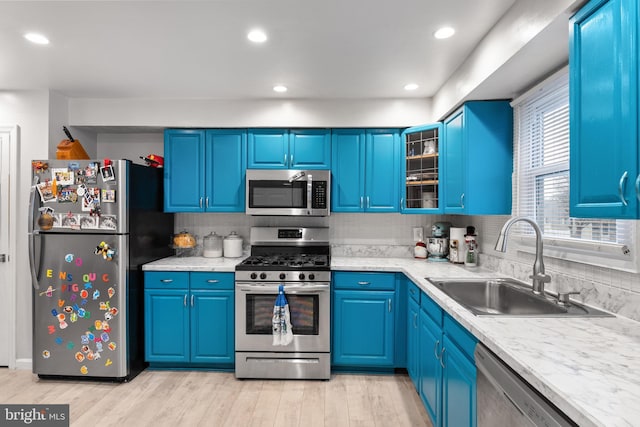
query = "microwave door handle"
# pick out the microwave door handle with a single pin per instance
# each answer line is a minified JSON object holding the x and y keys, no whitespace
{"x":309,"y":192}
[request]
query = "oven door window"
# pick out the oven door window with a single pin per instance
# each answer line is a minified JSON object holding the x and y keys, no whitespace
{"x":304,"y":311}
{"x":277,"y":194}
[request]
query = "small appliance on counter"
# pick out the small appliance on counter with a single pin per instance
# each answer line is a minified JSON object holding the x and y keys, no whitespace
{"x":457,"y":247}
{"x":438,"y":243}
{"x":212,"y":245}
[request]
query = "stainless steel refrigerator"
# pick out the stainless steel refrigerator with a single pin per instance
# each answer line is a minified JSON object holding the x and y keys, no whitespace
{"x":92,"y":225}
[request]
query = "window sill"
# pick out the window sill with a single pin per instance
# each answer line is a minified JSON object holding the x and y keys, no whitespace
{"x":604,"y":255}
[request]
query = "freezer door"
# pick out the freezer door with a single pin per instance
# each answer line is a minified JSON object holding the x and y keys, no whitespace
{"x":79,"y":305}
{"x":74,"y":190}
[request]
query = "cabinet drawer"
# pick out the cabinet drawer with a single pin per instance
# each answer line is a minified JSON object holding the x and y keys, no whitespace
{"x":431,"y":308}
{"x":459,"y":335}
{"x":166,"y":280}
{"x":367,"y":281}
{"x":206,"y":280}
{"x":414,"y":291}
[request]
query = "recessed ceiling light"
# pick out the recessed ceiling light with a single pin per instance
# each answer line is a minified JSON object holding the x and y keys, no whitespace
{"x":36,"y":38}
{"x":257,"y":36}
{"x":411,"y":86}
{"x":279,"y":88}
{"x":444,"y":33}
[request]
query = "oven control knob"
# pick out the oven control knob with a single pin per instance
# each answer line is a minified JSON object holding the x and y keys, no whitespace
{"x":301,"y":276}
{"x":282,"y":276}
{"x":253,"y":276}
{"x":312,"y":276}
{"x":263,"y":276}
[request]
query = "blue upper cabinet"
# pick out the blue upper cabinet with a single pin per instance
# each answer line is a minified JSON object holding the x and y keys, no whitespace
{"x":420,"y":150}
{"x":310,"y":149}
{"x":365,"y":170}
{"x":204,"y":170}
{"x":289,"y":149}
{"x":604,"y":172}
{"x":347,"y":164}
{"x":268,"y":149}
{"x":184,"y":167}
{"x":477,"y":159}
{"x":225,"y":173}
{"x":382,"y":169}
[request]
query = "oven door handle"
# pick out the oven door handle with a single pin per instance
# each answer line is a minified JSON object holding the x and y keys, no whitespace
{"x":288,"y":288}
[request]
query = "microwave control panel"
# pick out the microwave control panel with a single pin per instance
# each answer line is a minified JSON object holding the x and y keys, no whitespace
{"x":319,"y":195}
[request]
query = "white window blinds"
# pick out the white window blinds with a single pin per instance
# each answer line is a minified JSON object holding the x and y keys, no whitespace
{"x":541,"y":169}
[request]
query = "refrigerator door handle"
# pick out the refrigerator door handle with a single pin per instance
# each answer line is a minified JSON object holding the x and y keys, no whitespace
{"x":32,"y":237}
{"x":32,"y":203}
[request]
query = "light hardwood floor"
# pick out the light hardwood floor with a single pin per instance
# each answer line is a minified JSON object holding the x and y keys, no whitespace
{"x":191,"y":398}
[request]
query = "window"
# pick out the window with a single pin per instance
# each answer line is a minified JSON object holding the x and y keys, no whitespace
{"x":541,"y":176}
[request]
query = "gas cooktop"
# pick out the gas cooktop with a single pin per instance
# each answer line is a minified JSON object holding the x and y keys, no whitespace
{"x":307,"y":262}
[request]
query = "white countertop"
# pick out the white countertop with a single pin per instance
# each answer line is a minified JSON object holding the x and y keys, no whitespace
{"x":588,"y":367}
{"x":193,"y":263}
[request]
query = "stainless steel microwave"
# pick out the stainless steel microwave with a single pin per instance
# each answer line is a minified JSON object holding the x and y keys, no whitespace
{"x":288,"y":192}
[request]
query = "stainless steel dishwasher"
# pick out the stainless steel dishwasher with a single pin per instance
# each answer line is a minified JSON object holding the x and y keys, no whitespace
{"x":505,"y":399}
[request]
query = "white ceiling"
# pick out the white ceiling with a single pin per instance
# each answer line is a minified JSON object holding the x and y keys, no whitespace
{"x":199,"y":49}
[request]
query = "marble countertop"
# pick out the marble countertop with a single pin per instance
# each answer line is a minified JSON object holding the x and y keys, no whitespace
{"x":194,"y":263}
{"x":588,"y":367}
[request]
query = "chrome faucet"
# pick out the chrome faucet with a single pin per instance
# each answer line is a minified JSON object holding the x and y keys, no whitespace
{"x":538,"y":276}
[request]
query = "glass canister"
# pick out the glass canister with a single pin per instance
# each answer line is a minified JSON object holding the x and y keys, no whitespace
{"x":232,"y":246}
{"x":212,"y":244}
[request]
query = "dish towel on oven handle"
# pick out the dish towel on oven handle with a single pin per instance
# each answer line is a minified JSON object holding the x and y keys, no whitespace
{"x":282,"y":333}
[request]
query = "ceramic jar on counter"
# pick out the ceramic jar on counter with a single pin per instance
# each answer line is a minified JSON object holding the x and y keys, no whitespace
{"x":232,"y":246}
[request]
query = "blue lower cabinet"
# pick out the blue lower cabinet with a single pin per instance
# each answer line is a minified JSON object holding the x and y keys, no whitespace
{"x":458,"y":387}
{"x":413,"y":330}
{"x":166,"y":326}
{"x":363,"y":334}
{"x":212,"y":335}
{"x":189,"y":319}
{"x":430,"y":368}
{"x":446,"y":372}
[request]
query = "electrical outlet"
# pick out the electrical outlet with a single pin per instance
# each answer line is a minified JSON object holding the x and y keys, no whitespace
{"x":418,"y":234}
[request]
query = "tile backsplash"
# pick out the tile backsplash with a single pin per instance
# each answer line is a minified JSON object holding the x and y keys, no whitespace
{"x":390,"y":235}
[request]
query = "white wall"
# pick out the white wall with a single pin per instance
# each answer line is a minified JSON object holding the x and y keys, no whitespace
{"x":249,"y":113}
{"x":58,"y":117}
{"x":30,"y":111}
{"x":511,"y":51}
{"x":130,"y":145}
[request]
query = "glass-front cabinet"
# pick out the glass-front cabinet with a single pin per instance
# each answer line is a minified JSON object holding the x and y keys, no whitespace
{"x":422,"y":169}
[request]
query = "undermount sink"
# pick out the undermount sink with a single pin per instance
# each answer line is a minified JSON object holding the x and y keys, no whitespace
{"x":508,"y":297}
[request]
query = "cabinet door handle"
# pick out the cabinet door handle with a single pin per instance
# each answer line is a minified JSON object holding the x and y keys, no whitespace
{"x":364,"y":283}
{"x":185,"y":300}
{"x":435,"y":349}
{"x":638,"y":187}
{"x":206,"y":203}
{"x":166,"y":280}
{"x":285,"y":159}
{"x":291,"y":160}
{"x":462,"y":200}
{"x":401,"y":202}
{"x":442,"y":357}
{"x":623,"y":179}
{"x":415,"y":321}
{"x":361,"y":201}
{"x":201,"y":202}
{"x":213,"y":281}
{"x":368,"y":203}
{"x":389,"y":305}
{"x":192,"y":300}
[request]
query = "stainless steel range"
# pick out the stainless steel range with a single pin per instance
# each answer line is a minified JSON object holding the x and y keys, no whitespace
{"x":299,"y":259}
